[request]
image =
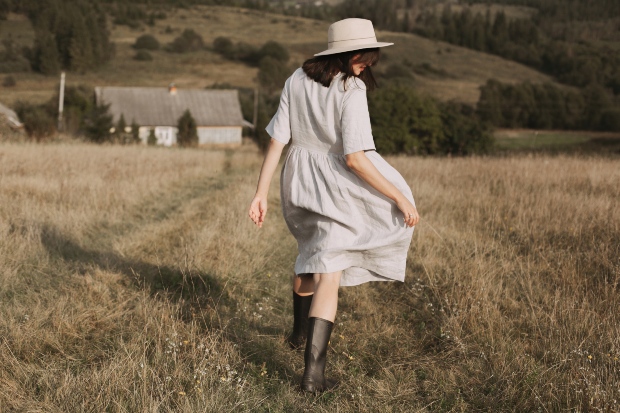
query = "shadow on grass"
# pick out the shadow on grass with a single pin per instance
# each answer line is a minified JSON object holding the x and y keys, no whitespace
{"x":181,"y":283}
{"x":198,"y":292}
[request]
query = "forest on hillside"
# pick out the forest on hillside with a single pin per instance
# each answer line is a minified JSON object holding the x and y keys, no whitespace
{"x":574,"y":41}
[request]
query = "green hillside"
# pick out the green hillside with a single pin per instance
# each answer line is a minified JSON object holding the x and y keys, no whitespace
{"x":440,"y":69}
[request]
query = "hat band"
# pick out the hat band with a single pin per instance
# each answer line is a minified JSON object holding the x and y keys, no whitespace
{"x":348,"y":43}
{"x":374,"y":38}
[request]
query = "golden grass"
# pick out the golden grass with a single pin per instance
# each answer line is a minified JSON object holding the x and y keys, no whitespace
{"x":132,"y":280}
{"x":467,"y":70}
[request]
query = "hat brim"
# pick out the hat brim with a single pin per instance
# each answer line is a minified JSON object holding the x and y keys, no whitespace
{"x":336,"y":50}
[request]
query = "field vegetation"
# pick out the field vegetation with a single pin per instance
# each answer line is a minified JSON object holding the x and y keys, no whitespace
{"x":131,"y":279}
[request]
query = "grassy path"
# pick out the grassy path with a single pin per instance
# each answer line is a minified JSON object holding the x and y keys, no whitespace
{"x":131,"y":280}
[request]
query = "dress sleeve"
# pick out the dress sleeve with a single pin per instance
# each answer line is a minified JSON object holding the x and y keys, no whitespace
{"x":355,"y":126}
{"x":279,"y":127}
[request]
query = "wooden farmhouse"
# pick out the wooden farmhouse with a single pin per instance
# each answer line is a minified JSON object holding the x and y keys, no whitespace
{"x":217,"y":112}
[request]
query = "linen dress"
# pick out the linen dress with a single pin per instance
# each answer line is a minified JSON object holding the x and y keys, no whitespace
{"x":339,"y":221}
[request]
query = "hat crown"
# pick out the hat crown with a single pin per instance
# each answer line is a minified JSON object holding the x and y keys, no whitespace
{"x":351,"y":34}
{"x":351,"y":30}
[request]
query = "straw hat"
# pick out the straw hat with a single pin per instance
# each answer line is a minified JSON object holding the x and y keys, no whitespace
{"x":351,"y":34}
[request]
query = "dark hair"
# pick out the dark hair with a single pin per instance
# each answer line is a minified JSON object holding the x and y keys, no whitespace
{"x":322,"y":69}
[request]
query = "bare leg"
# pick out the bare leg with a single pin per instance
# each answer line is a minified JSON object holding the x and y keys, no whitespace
{"x":303,"y":284}
{"x":325,"y":301}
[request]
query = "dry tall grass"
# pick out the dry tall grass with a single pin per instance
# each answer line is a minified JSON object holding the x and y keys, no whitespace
{"x":131,"y":280}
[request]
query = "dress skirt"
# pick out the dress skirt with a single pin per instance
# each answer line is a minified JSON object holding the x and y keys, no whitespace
{"x":339,"y":221}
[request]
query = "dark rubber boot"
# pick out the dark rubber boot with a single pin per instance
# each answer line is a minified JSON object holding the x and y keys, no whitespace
{"x":301,"y":308}
{"x":314,"y":381}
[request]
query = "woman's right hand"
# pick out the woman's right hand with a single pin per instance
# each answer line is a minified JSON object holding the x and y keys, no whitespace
{"x":409,"y":211}
{"x":258,"y":210}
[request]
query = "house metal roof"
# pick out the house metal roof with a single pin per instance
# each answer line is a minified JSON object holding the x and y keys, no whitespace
{"x":156,"y":106}
{"x":11,"y":116}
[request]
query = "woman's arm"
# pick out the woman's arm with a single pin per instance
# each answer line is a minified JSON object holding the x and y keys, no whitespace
{"x":361,"y":165}
{"x":258,"y":207}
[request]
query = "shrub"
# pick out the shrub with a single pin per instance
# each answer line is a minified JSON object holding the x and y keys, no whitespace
{"x":272,"y":73}
{"x":135,"y":132}
{"x":224,"y":46}
{"x":188,"y":41}
{"x":610,"y":119}
{"x":463,"y":133}
{"x":143,"y":56}
{"x":398,"y":70}
{"x":404,"y":122}
{"x":188,"y":133}
{"x":78,"y":102}
{"x":152,"y":139}
{"x":146,"y":42}
{"x":44,"y":57}
{"x":38,"y":123}
{"x":274,"y":50}
{"x":98,"y":123}
{"x":9,"y":81}
{"x":10,"y":59}
{"x":247,"y":53}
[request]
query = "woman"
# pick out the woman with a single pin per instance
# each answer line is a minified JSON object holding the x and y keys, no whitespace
{"x":350,"y":211}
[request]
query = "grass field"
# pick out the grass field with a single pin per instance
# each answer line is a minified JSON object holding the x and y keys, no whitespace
{"x":465,"y":70}
{"x":523,"y":140}
{"x":131,"y":279}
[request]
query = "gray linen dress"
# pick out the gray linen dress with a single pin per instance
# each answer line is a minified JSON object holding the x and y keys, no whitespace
{"x":340,"y":222}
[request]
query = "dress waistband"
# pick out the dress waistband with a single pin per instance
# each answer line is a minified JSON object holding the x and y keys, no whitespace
{"x":323,"y":151}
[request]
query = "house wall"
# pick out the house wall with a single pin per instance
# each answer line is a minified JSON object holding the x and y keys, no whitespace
{"x":167,"y":135}
{"x":222,"y":134}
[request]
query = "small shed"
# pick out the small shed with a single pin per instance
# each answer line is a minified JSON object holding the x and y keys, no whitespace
{"x":217,"y":112}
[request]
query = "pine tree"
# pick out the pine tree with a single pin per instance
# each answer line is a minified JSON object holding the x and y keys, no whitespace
{"x":152,"y":139}
{"x":98,"y":124}
{"x":81,"y":50}
{"x":135,"y":131}
{"x":188,"y":133}
{"x":120,"y":129}
{"x":45,"y":56}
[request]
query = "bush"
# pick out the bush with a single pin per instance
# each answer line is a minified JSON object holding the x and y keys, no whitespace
{"x":152,"y":139}
{"x":10,"y":59}
{"x":398,"y":70}
{"x":610,"y":119}
{"x":38,"y":123}
{"x":78,"y":102}
{"x":16,"y":65}
{"x":9,"y":81}
{"x":44,"y":57}
{"x":188,"y":41}
{"x":247,"y":53}
{"x":135,"y":132}
{"x":274,"y":50}
{"x":188,"y":133}
{"x":143,"y":56}
{"x":272,"y":73}
{"x":463,"y":133}
{"x":146,"y":42}
{"x":404,"y":122}
{"x":224,"y":46}
{"x":98,"y":123}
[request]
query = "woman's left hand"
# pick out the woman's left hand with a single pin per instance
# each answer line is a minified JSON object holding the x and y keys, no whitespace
{"x":258,"y":210}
